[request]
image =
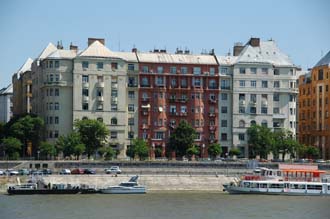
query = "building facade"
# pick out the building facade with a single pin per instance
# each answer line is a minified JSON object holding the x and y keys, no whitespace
{"x":6,"y":103}
{"x":175,"y":87}
{"x":314,"y":107}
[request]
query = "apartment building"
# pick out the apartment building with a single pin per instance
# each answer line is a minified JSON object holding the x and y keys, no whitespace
{"x":22,"y":89}
{"x":314,"y":107}
{"x":175,"y":87}
{"x":264,"y":90}
{"x":6,"y":103}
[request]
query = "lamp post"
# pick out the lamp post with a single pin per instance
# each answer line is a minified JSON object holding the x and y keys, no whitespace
{"x":203,"y":146}
{"x":38,"y":154}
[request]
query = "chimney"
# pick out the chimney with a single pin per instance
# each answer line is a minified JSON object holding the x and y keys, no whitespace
{"x":212,"y":52}
{"x":92,"y":40}
{"x":59,"y":45}
{"x":134,"y":50}
{"x":238,"y":47}
{"x":73,"y":47}
{"x":254,"y":42}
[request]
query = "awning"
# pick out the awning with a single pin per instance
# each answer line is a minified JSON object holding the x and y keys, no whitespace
{"x":146,"y":106}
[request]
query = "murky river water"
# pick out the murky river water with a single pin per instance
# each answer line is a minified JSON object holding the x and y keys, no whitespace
{"x":163,"y":205}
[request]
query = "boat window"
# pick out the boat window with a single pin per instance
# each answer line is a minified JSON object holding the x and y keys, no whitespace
{"x":263,"y":185}
{"x":247,"y":184}
{"x":314,"y":187}
{"x":328,"y":187}
{"x":279,"y":173}
{"x":276,"y":186}
{"x":254,"y":185}
{"x":298,"y":186}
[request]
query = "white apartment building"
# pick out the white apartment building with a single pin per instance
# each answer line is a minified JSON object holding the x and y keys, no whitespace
{"x":102,"y":90}
{"x":264,"y":90}
{"x":6,"y":104}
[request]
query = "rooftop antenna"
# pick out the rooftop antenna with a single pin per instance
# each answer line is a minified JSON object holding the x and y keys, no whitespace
{"x":119,"y":42}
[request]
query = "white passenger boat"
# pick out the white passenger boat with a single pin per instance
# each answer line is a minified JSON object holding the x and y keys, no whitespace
{"x":281,"y":182}
{"x":130,"y":187}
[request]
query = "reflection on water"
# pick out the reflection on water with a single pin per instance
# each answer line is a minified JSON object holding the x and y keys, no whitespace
{"x":163,"y":205}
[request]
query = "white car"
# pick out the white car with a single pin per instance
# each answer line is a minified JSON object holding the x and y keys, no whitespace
{"x":113,"y":170}
{"x":65,"y":172}
{"x":2,"y":172}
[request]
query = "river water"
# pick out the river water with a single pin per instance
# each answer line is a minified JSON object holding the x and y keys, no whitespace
{"x":163,"y":205}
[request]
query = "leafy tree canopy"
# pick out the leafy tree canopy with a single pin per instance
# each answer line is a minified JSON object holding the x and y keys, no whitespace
{"x":141,"y":148}
{"x":214,"y":150}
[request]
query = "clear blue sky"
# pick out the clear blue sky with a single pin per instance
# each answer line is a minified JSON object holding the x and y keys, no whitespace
{"x":301,"y":28}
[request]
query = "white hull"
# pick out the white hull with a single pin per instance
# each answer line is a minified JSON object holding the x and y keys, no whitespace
{"x":124,"y":190}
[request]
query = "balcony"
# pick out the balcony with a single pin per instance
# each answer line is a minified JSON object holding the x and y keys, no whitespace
{"x":279,"y":116}
{"x":85,"y":99}
{"x":242,"y":102}
{"x":212,"y":114}
{"x":213,"y":101}
{"x":225,"y":87}
{"x":85,"y":85}
{"x":132,"y":84}
{"x":144,"y":126}
{"x":114,"y":86}
{"x":264,"y":103}
{"x":183,"y":114}
{"x":114,"y":100}
{"x":145,"y":85}
{"x":100,"y":84}
{"x":212,"y":128}
{"x":174,"y":113}
{"x":145,"y":113}
{"x":100,"y":98}
{"x":253,"y":103}
{"x":213,"y":87}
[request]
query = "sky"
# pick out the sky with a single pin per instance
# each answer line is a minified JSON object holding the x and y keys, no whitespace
{"x":301,"y":28}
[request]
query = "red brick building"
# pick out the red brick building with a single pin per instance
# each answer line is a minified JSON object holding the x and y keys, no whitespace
{"x":175,"y":87}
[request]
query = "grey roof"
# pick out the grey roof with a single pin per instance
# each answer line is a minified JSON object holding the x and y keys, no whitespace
{"x":50,"y":48}
{"x":268,"y":53}
{"x":97,"y":49}
{"x":128,"y":56}
{"x":324,"y":61}
{"x":226,"y":60}
{"x":62,"y":54}
{"x":176,"y":58}
{"x":7,"y":90}
{"x":24,"y":68}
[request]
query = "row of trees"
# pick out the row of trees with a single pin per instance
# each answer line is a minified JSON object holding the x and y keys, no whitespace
{"x":263,"y":141}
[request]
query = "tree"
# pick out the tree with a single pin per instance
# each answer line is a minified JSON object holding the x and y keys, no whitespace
{"x":93,"y":133}
{"x":71,"y":145}
{"x":140,"y":148}
{"x":47,"y":149}
{"x":27,"y":129}
{"x":308,"y":151}
{"x":12,"y":146}
{"x":214,"y":150}
{"x":194,"y":150}
{"x":234,"y":152}
{"x":107,"y":152}
{"x":182,"y":138}
{"x":260,"y":141}
{"x":284,"y":144}
{"x":2,"y":131}
{"x":130,"y":151}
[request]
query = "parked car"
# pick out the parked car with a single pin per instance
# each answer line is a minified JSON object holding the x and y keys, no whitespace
{"x":47,"y":171}
{"x":320,"y":161}
{"x":23,"y":172}
{"x":65,"y":172}
{"x":78,"y":171}
{"x":36,"y":172}
{"x":89,"y":171}
{"x":13,"y":172}
{"x":2,"y":173}
{"x":113,"y":170}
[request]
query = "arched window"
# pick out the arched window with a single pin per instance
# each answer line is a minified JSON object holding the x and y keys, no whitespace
{"x":100,"y":119}
{"x":113,"y":121}
{"x":84,"y":118}
{"x":264,"y":124}
{"x":253,"y":122}
{"x":241,"y":124}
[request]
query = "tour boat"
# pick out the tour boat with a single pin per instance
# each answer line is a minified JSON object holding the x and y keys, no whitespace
{"x":41,"y":189}
{"x":281,"y":182}
{"x":130,"y":187}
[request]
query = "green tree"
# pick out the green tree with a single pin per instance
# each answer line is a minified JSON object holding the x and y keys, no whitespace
{"x":12,"y":146}
{"x":260,"y":141}
{"x":27,"y":129}
{"x":130,"y":151}
{"x":194,"y":150}
{"x":141,"y":148}
{"x":214,"y":150}
{"x":107,"y":152}
{"x":2,"y":131}
{"x":93,"y":133}
{"x":308,"y":151}
{"x":234,"y":152}
{"x":284,"y":144}
{"x":182,"y":138}
{"x":47,"y":149}
{"x":71,"y":145}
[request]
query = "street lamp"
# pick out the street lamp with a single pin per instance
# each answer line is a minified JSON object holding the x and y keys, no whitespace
{"x":38,"y":154}
{"x":203,"y":146}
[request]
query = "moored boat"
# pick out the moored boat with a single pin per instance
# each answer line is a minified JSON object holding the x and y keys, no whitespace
{"x":281,"y":182}
{"x":130,"y":187}
{"x":37,"y":188}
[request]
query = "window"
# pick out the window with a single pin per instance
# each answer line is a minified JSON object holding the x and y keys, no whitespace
{"x":56,"y":120}
{"x":213,"y":84}
{"x":56,"y":134}
{"x":184,"y":70}
{"x":131,"y":107}
{"x":223,"y":123}
{"x":57,"y":77}
{"x":276,"y":71}
{"x":99,"y":106}
{"x":224,"y":70}
{"x":130,"y":121}
{"x":51,"y":77}
{"x":241,"y":124}
{"x":51,"y":92}
{"x":242,"y":70}
{"x":276,"y":110}
{"x":50,"y":120}
{"x":223,"y":136}
{"x":264,"y":70}
{"x":253,"y":98}
{"x":114,"y":121}
{"x":253,"y":83}
{"x":145,"y":69}
{"x":224,"y":96}
{"x":183,"y":109}
{"x":84,"y":64}
{"x":197,"y":70}
{"x":320,"y":74}
{"x":114,"y":107}
{"x":57,"y":106}
{"x":131,"y":94}
{"x":130,"y":134}
{"x":264,"y":110}
{"x":241,"y":136}
{"x":145,"y":82}
{"x":223,"y":109}
{"x":197,"y":82}
{"x":100,"y":119}
{"x":184,"y":83}
{"x":264,"y":84}
{"x":242,"y":83}
{"x":276,"y":97}
{"x":85,"y":78}
{"x":241,"y":109}
{"x":173,"y":70}
{"x":85,"y":92}
{"x":114,"y":65}
{"x":241,"y":97}
{"x":113,"y":135}
{"x":253,"y":70}
{"x":276,"y":84}
{"x":160,"y":81}
{"x":57,"y":92}
{"x":159,"y":135}
{"x":253,"y":122}
{"x":130,"y":67}
{"x":50,"y":64}
{"x":85,"y":106}
{"x":173,"y":82}
{"x":253,"y":110}
{"x":225,"y":84}
{"x":99,"y":65}
{"x":264,"y":124}
{"x":160,"y":69}
{"x":212,"y":71}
